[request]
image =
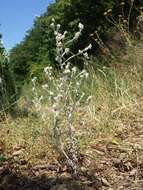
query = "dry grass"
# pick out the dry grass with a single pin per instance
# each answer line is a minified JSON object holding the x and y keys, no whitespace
{"x":116,"y":91}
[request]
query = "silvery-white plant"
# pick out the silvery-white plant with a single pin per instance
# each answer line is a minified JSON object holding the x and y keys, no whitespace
{"x":37,"y":100}
{"x":65,"y":94}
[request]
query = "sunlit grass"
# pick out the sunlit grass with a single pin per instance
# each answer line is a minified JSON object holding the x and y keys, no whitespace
{"x":116,"y":98}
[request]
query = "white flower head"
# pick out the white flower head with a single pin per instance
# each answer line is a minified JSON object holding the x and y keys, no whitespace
{"x":57,"y":59}
{"x":52,"y":25}
{"x":2,"y":42}
{"x":77,"y":35}
{"x":34,"y":80}
{"x":56,"y":113}
{"x":58,"y":26}
{"x":59,"y":44}
{"x":33,"y":89}
{"x":81,"y":26}
{"x":68,"y":65}
{"x":51,"y":93}
{"x":67,"y":71}
{"x":41,"y":98}
{"x":45,"y":86}
{"x":89,"y":98}
{"x":67,"y":50}
{"x":65,"y":32}
{"x":86,"y":75}
{"x":88,"y":47}
{"x":86,"y":55}
{"x":80,"y":51}
{"x":47,"y":69}
{"x":55,"y":33}
{"x":77,"y":83}
{"x":74,"y":69}
{"x":53,"y":20}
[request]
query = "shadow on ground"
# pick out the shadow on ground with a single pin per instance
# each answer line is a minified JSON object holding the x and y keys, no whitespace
{"x":11,"y":181}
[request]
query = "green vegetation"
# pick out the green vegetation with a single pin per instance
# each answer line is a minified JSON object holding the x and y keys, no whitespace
{"x":7,"y":87}
{"x":37,"y":49}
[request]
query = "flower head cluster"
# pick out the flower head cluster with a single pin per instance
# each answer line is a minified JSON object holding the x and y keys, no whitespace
{"x":78,"y":34}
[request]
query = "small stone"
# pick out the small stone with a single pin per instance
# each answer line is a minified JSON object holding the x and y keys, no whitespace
{"x":105,"y":182}
{"x":83,"y":169}
{"x":17,"y":153}
{"x":36,"y":173}
{"x":133,"y":172}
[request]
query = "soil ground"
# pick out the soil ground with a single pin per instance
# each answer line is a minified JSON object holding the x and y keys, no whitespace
{"x":105,"y":165}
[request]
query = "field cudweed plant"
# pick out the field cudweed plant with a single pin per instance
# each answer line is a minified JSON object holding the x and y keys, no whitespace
{"x":65,"y":95}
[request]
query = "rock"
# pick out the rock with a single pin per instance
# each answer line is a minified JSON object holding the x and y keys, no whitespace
{"x":17,"y":153}
{"x":83,"y":169}
{"x":105,"y":182}
{"x":133,"y":172}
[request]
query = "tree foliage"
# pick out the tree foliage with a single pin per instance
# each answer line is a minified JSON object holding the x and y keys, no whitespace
{"x":38,"y":47}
